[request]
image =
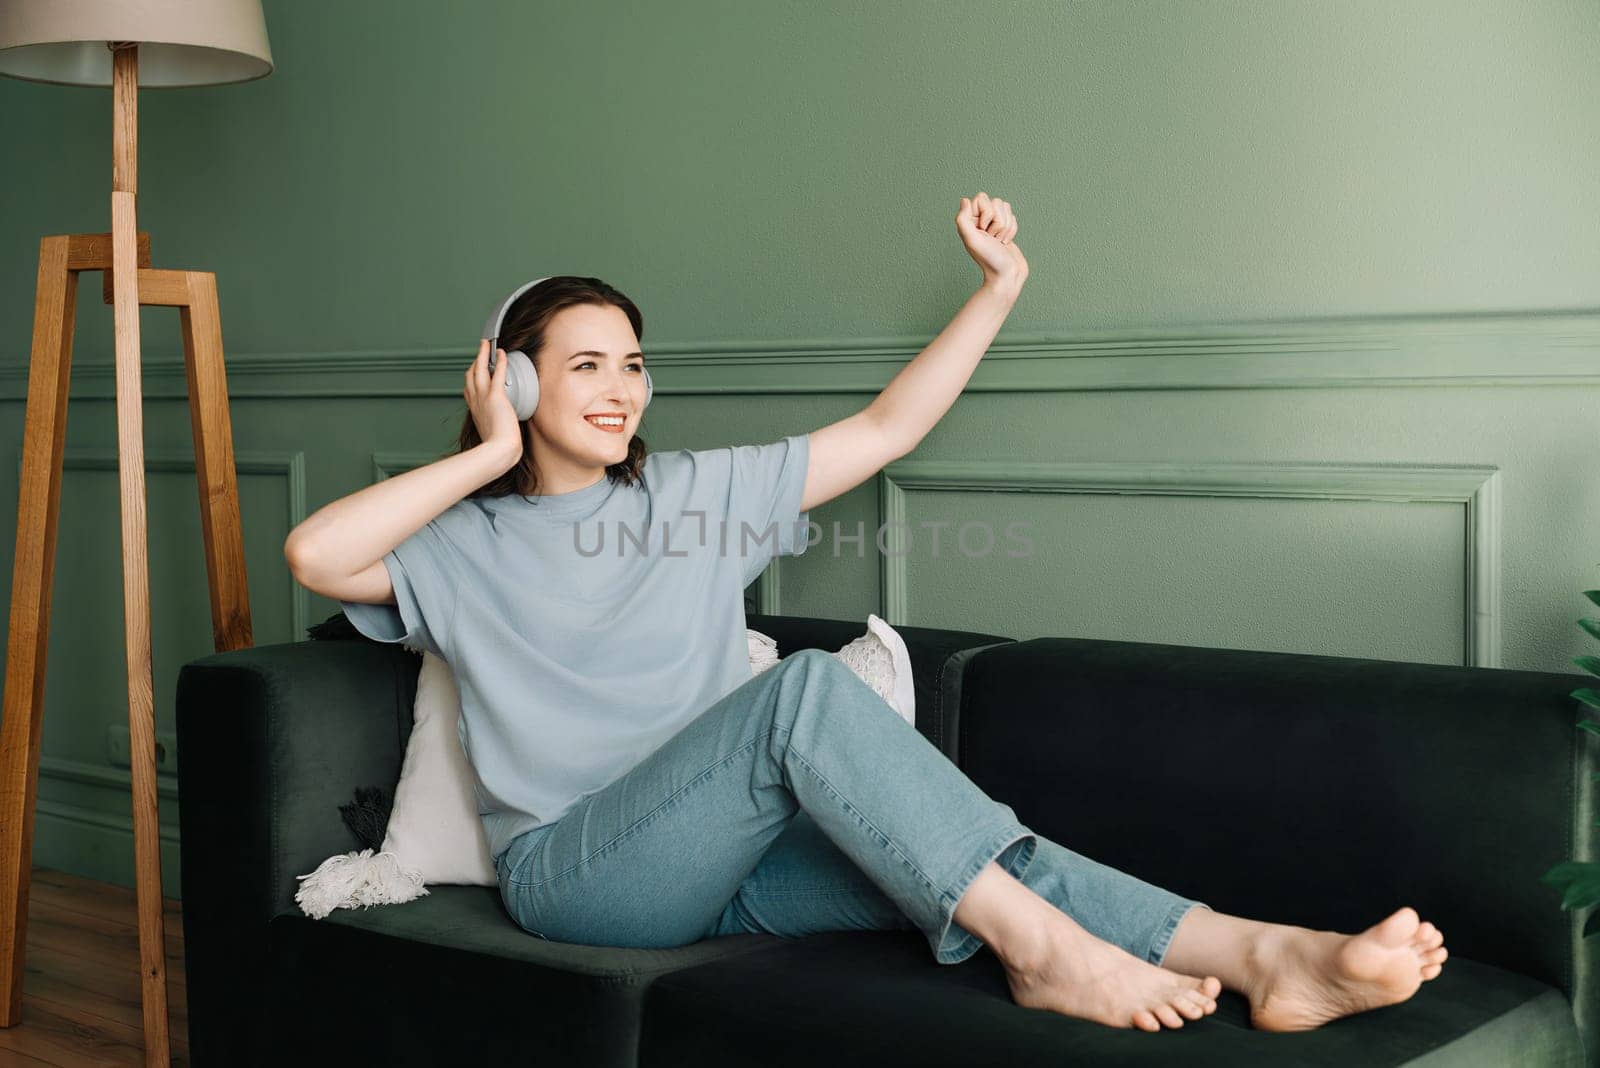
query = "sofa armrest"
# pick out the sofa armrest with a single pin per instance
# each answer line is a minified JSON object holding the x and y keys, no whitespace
{"x":937,"y":658}
{"x":1313,"y":790}
{"x":272,"y":740}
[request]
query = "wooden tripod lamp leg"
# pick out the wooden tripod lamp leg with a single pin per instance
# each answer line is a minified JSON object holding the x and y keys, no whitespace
{"x":213,"y":463}
{"x":136,"y":626}
{"x":32,"y":575}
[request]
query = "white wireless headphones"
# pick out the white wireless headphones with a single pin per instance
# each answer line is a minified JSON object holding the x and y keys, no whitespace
{"x":522,"y":381}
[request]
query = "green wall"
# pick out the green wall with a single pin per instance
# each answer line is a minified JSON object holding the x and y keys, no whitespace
{"x":1308,"y":359}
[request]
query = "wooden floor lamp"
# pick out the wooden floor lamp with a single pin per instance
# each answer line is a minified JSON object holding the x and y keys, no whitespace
{"x":99,"y":43}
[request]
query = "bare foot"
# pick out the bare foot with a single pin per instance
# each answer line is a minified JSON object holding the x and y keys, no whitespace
{"x":1076,"y":974}
{"x":1301,"y":979}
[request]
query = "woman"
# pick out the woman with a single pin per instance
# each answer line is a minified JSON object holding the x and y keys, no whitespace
{"x":639,"y":788}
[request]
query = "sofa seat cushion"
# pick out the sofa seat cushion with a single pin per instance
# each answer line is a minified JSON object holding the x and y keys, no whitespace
{"x":450,"y":977}
{"x":877,"y":998}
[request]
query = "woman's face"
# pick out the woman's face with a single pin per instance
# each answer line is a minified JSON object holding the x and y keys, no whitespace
{"x":575,"y":384}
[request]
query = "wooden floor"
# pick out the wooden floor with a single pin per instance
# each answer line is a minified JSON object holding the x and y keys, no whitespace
{"x":80,"y":990}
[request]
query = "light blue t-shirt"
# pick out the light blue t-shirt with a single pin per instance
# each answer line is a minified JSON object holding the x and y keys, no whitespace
{"x":584,"y":629}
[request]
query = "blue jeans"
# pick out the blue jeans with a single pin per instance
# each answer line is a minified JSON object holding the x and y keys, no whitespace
{"x":801,"y":802}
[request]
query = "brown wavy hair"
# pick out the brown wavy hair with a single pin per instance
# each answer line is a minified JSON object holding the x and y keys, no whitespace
{"x":524,"y":328}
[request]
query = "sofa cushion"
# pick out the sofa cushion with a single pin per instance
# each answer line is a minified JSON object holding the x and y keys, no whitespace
{"x":877,"y":998}
{"x":435,"y":981}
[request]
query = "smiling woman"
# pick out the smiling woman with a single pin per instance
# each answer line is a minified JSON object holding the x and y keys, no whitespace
{"x":583,"y":338}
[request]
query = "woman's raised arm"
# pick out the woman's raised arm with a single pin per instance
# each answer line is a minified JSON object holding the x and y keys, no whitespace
{"x":348,"y":536}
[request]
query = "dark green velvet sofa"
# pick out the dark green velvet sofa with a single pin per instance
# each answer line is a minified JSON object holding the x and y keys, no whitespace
{"x":1313,"y":790}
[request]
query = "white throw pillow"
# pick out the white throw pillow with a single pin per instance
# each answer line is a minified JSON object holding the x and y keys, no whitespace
{"x":879,"y":656}
{"x":434,"y":833}
{"x":434,"y":826}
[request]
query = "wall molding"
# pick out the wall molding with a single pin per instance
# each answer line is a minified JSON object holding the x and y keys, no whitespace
{"x":98,"y":845}
{"x":769,"y":594}
{"x":388,"y":464}
{"x":290,"y":466}
{"x":1476,"y":488}
{"x":1532,"y":348}
{"x":116,"y":780}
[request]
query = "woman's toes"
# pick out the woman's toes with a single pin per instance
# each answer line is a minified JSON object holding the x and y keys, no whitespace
{"x":1190,"y":1006}
{"x":1435,"y":956}
{"x":1432,"y":971}
{"x":1169,"y":1016}
{"x":1145,"y":1020}
{"x":1399,"y":927}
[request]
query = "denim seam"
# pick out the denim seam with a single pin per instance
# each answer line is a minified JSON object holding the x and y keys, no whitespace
{"x":747,"y":891}
{"x":647,"y":817}
{"x":887,"y":841}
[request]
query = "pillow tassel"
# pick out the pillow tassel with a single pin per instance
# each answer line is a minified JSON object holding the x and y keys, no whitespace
{"x":351,"y":880}
{"x":390,"y":884}
{"x":367,"y":816}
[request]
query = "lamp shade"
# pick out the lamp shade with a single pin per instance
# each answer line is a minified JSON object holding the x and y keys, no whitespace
{"x":181,"y":42}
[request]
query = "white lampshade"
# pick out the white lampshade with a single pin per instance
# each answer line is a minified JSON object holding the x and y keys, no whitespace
{"x":181,"y":42}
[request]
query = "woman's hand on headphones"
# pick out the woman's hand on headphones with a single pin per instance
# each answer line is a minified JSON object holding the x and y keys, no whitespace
{"x":988,"y":228}
{"x":490,"y":404}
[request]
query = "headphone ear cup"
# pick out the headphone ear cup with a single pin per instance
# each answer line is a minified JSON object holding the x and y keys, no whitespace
{"x":522,"y":384}
{"x":649,"y":388}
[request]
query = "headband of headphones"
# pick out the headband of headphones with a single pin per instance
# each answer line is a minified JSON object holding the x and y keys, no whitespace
{"x":491,"y":329}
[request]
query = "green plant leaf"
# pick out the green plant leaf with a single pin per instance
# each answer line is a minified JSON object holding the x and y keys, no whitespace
{"x":1593,"y":595}
{"x":1584,"y":890}
{"x":1583,"y":895}
{"x":1578,"y":880}
{"x":1561,"y":874}
{"x":1590,"y":625}
{"x":1589,"y":725}
{"x":1588,"y":696}
{"x":1591,"y":664}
